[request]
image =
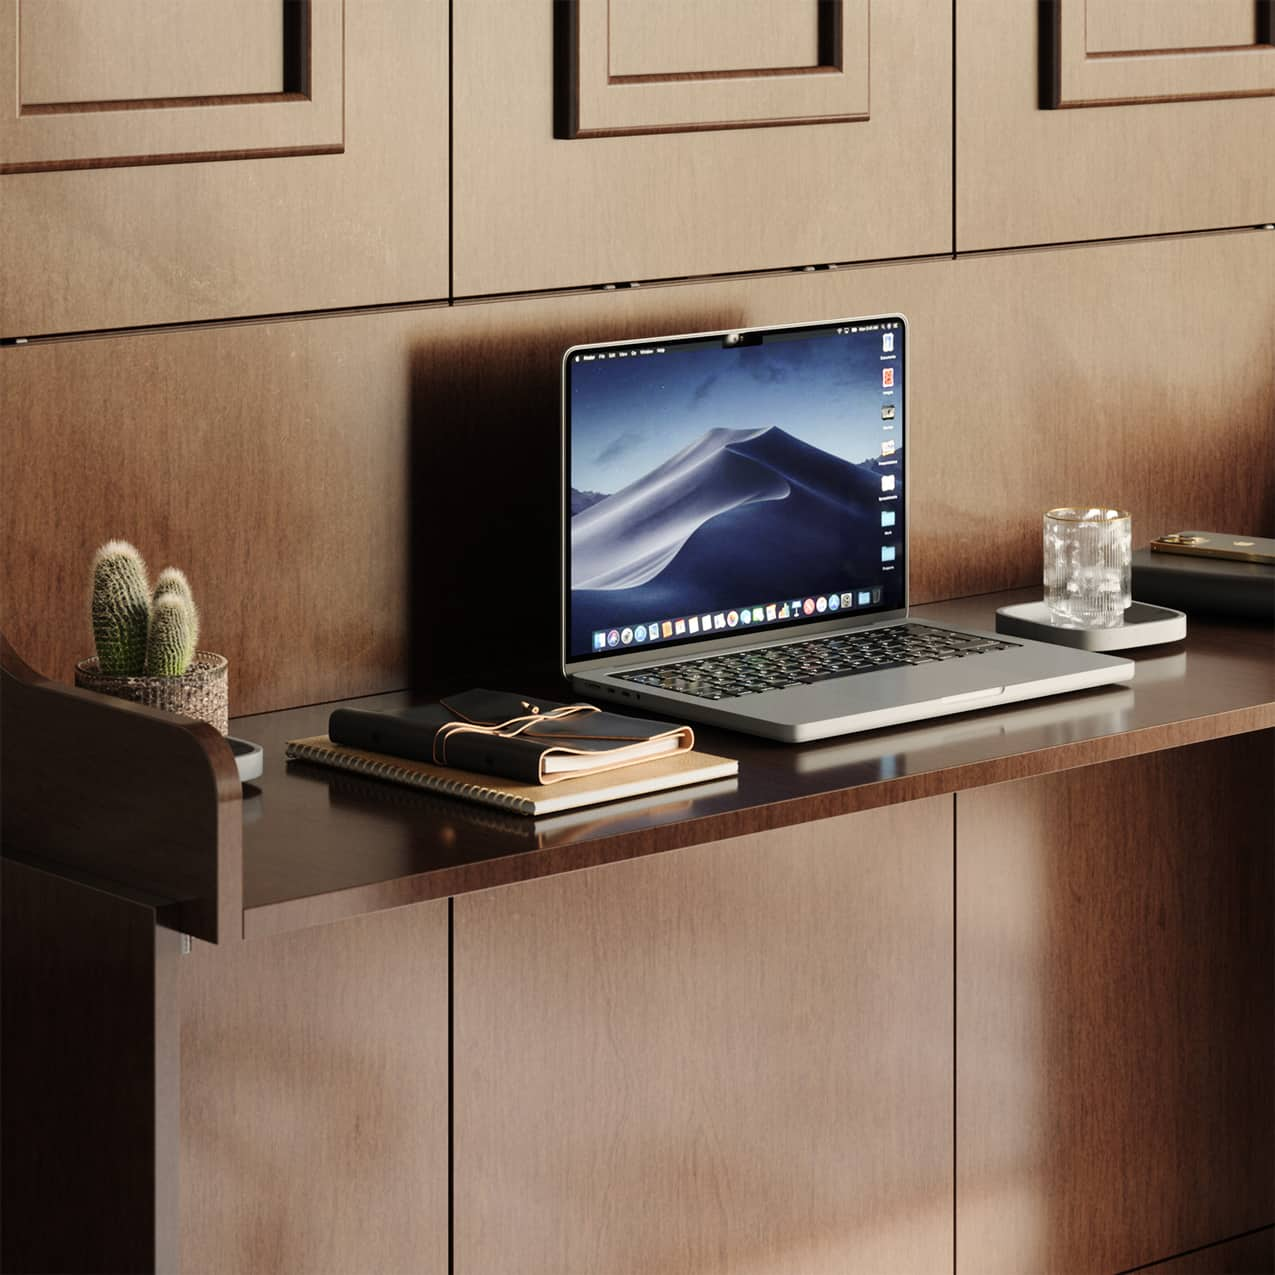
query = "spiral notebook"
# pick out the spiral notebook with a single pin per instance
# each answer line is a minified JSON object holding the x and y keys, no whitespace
{"x":675,"y":771}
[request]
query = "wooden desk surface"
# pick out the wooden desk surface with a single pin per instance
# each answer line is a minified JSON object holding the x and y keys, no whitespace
{"x":320,"y":845}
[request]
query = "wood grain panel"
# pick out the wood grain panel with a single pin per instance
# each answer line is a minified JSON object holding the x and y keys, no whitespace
{"x":122,"y":247}
{"x":90,"y":1149}
{"x":138,"y":799}
{"x":737,"y":200}
{"x":1032,"y":176}
{"x":268,"y":461}
{"x":82,"y":51}
{"x":88,"y":130}
{"x":1116,"y":1010}
{"x":1146,"y":26}
{"x":595,"y":99}
{"x":1250,"y":1255}
{"x":1078,"y":75}
{"x":319,"y":494}
{"x":731,"y":1058}
{"x":314,"y":1100}
{"x":669,"y":37}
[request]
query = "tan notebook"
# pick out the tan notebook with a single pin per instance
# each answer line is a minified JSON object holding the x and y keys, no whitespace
{"x":673,"y":771}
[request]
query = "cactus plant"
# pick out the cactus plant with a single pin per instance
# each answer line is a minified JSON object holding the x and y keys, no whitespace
{"x":120,"y":609}
{"x":138,"y":632}
{"x":170,"y":646}
{"x":163,"y":658}
{"x":172,"y":580}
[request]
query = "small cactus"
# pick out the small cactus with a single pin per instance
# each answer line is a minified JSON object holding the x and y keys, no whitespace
{"x":173,"y":632}
{"x":172,"y":580}
{"x":120,"y":609}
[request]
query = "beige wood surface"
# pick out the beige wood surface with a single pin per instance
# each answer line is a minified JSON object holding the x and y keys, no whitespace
{"x":1032,"y":176}
{"x":669,"y":37}
{"x":121,"y":247}
{"x":1082,"y":77}
{"x":87,"y":51}
{"x":314,"y":1100}
{"x":1115,"y":1046}
{"x":735,"y":1058}
{"x":609,"y":103}
{"x":314,"y":478}
{"x":584,"y":211}
{"x":81,"y":132}
{"x":1124,"y":26}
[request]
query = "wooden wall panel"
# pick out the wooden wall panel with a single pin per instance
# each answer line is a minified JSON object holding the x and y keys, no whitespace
{"x":317,"y":478}
{"x":742,"y":199}
{"x":314,"y":1100}
{"x":1033,"y":176}
{"x":1116,"y":1011}
{"x":118,"y":247}
{"x":731,"y":1058}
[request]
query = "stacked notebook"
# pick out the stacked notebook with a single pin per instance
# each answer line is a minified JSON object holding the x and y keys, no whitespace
{"x":515,"y":752}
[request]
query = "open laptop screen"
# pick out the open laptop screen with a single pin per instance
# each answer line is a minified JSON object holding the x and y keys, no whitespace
{"x":729,"y":482}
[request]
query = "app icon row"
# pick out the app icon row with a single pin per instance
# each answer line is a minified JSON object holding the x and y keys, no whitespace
{"x":719,"y":621}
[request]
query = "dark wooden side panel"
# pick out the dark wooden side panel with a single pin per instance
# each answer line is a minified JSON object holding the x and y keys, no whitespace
{"x":314,"y":1100}
{"x":1116,"y":1011}
{"x":730,"y":1058}
{"x":88,"y":994}
{"x":127,"y":795}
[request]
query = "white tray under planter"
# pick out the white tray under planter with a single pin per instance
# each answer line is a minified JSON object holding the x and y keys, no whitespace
{"x":1144,"y":625}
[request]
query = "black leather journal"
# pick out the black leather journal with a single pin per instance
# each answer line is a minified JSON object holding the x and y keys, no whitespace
{"x":514,"y":736}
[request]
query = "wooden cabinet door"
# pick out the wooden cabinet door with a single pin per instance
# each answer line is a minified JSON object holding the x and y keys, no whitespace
{"x":733,"y":1057}
{"x":210,"y":158}
{"x":1115,"y":1036}
{"x":618,"y":140}
{"x":1089,"y":119}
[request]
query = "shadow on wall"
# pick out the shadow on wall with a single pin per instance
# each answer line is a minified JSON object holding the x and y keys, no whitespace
{"x":484,"y":450}
{"x":482,"y":516}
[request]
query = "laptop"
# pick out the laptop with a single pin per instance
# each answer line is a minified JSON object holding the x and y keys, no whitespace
{"x":735,"y":539}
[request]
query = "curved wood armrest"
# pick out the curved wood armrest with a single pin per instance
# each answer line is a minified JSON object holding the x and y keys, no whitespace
{"x":123,"y":796}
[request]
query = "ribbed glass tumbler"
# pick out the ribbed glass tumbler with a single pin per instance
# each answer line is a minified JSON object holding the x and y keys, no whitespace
{"x":1087,"y":567}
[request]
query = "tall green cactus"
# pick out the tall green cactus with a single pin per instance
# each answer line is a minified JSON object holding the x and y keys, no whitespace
{"x":174,"y":629}
{"x":120,"y":609}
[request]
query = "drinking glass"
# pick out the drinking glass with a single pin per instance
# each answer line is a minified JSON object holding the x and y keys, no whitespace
{"x":1088,"y":566}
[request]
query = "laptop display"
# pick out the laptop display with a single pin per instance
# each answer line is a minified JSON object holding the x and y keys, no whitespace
{"x":730,"y":482}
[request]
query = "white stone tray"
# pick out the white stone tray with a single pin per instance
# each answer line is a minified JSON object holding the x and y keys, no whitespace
{"x":1144,"y":625}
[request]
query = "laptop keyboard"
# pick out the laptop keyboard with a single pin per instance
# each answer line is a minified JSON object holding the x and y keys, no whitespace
{"x":774,"y":668}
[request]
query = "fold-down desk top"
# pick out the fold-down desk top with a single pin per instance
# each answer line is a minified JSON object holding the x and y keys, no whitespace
{"x":320,"y":845}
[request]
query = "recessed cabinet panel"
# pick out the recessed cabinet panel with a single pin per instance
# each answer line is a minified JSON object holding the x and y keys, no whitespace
{"x":596,"y":98}
{"x":1150,"y":26}
{"x":153,"y":175}
{"x":671,"y":37}
{"x":99,"y":94}
{"x":1167,"y":137}
{"x":87,"y":51}
{"x":730,"y":1058}
{"x":591,"y":147}
{"x":1124,"y":58}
